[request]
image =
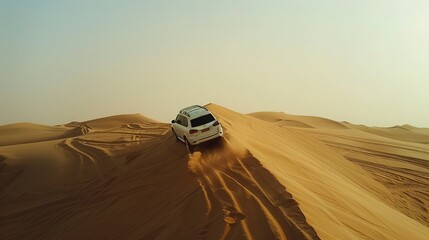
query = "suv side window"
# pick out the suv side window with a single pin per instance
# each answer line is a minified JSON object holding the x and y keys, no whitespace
{"x":184,"y":121}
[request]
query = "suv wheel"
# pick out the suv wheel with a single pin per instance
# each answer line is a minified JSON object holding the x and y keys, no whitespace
{"x":189,"y":146}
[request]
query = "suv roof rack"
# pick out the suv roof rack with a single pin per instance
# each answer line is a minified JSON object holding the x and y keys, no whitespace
{"x":187,"y":110}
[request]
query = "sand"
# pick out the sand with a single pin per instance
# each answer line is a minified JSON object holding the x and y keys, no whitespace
{"x":273,"y":176}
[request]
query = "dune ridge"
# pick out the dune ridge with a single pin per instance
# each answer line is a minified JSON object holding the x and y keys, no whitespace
{"x":281,"y":118}
{"x":273,"y":176}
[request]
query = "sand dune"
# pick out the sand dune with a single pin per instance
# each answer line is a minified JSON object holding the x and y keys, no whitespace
{"x":402,"y":133}
{"x":118,"y":120}
{"x":273,"y":176}
{"x":237,"y":185}
{"x":28,"y":133}
{"x":281,"y":118}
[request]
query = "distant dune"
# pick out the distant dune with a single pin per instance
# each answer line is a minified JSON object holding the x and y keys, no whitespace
{"x":298,"y":121}
{"x":273,"y":176}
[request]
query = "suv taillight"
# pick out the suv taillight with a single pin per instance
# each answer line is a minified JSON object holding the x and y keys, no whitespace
{"x":192,"y":131}
{"x":215,"y":123}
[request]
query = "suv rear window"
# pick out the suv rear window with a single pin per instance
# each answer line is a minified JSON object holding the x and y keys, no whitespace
{"x":202,"y":120}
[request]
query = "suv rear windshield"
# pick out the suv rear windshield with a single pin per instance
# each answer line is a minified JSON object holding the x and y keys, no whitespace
{"x":202,"y":120}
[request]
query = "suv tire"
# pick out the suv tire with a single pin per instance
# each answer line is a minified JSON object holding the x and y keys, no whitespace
{"x":189,"y":146}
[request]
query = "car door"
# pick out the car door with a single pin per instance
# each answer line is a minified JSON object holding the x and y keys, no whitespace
{"x":176,"y":126}
{"x":179,"y":126}
{"x":185,"y":124}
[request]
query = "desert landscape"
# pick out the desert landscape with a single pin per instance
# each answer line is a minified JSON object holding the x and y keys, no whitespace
{"x":316,"y":125}
{"x":272,"y":176}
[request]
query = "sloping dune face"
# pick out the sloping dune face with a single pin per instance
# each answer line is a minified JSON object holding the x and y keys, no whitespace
{"x":253,"y":203}
{"x":277,"y":177}
{"x":349,"y":184}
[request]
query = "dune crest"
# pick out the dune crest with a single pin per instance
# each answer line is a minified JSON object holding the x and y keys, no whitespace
{"x":283,"y":119}
{"x":118,"y":120}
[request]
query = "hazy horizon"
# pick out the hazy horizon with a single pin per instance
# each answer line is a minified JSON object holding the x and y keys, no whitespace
{"x":363,"y":62}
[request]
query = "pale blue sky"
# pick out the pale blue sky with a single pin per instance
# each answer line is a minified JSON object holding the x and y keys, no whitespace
{"x":360,"y":61}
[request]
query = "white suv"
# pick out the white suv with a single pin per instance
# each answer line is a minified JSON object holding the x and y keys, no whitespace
{"x":194,"y":125}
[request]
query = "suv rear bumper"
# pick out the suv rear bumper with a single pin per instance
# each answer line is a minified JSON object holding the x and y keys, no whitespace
{"x":201,"y":140}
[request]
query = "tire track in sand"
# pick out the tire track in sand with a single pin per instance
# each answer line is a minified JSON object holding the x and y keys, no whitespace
{"x":253,"y":204}
{"x":74,"y":146}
